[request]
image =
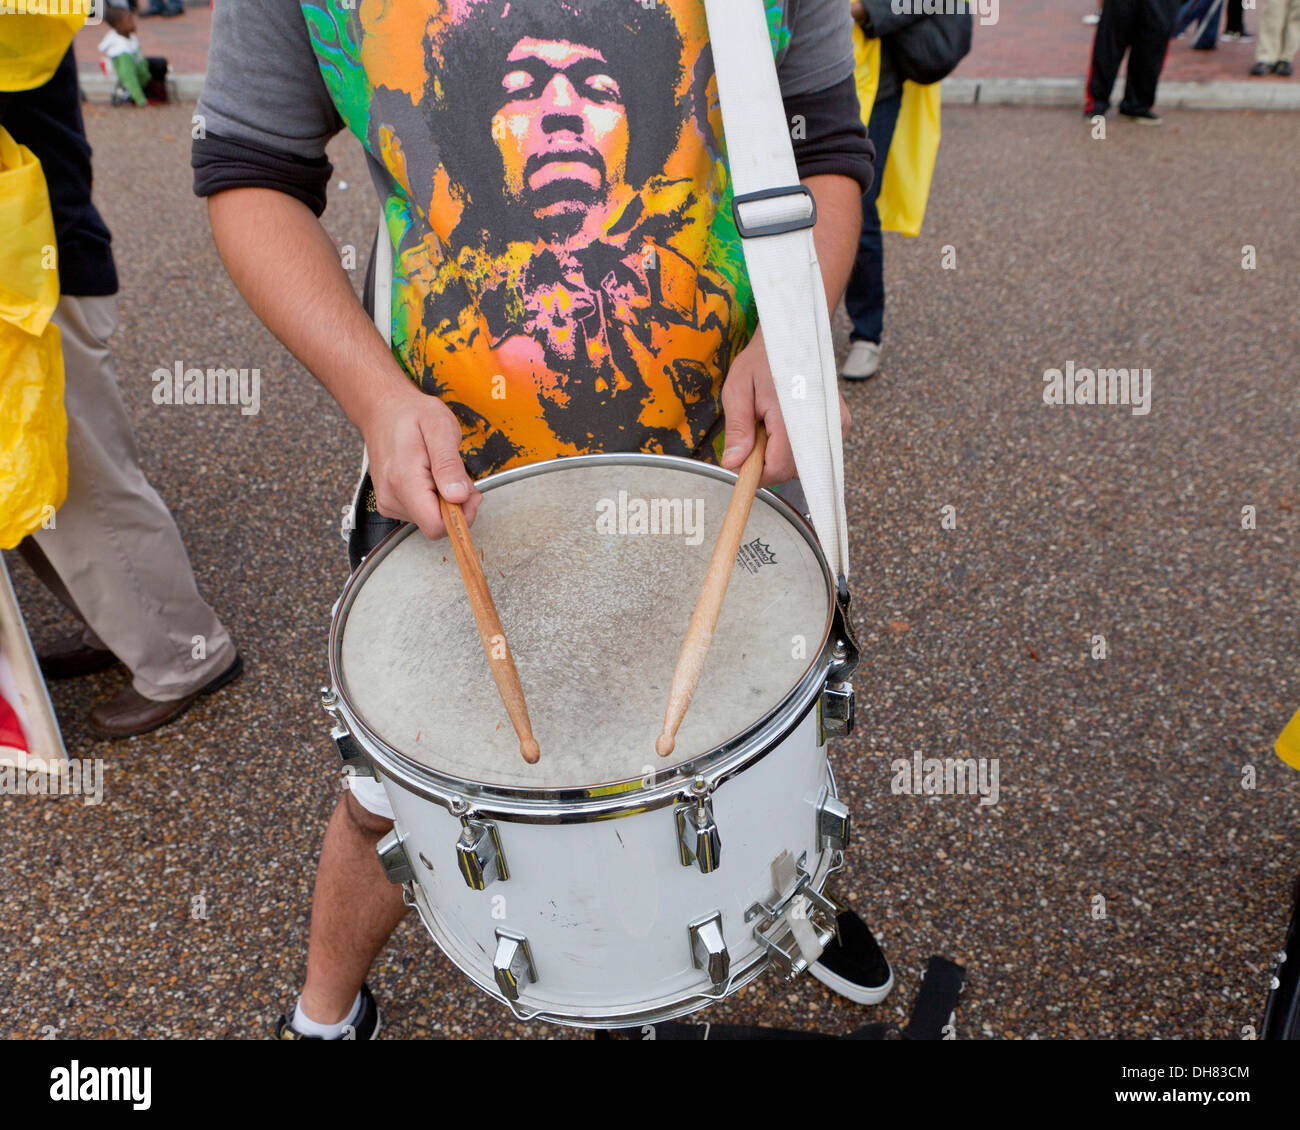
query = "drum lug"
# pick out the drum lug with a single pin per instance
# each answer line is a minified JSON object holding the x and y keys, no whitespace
{"x":834,"y":822}
{"x":478,"y":853}
{"x":698,"y":839}
{"x":709,"y":949}
{"x":394,"y":860}
{"x":355,"y":761}
{"x":513,"y":964}
{"x":835,"y":712}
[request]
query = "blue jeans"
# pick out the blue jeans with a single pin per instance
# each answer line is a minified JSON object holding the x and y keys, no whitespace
{"x":1196,"y":11}
{"x":864,"y":298}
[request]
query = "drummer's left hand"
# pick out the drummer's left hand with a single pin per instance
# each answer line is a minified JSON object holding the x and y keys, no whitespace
{"x":748,"y":395}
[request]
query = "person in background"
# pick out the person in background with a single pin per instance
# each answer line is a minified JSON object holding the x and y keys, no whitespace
{"x":121,"y":47}
{"x":113,"y":554}
{"x":1279,"y":37}
{"x":921,"y":49}
{"x":1234,"y":27}
{"x":1141,"y":29}
{"x":1203,"y":16}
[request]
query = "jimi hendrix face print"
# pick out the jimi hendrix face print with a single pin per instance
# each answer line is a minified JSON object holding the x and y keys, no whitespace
{"x":567,"y":274}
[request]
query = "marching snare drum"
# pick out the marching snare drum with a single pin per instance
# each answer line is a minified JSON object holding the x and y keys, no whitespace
{"x":604,"y":886}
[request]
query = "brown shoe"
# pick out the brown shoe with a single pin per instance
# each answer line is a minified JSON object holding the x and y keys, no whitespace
{"x":69,"y":657}
{"x":129,"y":713}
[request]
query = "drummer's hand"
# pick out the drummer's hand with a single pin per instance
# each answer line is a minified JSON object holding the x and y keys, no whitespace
{"x":414,"y":445}
{"x":748,"y":394}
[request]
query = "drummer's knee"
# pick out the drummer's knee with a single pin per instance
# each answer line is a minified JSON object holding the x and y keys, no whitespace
{"x":363,"y":821}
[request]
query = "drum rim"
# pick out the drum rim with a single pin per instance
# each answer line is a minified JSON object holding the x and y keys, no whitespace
{"x":575,"y":804}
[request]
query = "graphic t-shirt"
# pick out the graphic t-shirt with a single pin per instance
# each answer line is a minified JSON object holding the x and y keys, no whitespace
{"x":567,"y":275}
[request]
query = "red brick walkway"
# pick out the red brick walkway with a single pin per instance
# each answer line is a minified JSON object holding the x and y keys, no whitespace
{"x":1031,"y":39}
{"x":1048,"y":39}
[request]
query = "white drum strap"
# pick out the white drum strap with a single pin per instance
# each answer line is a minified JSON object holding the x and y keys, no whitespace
{"x":783,"y":269}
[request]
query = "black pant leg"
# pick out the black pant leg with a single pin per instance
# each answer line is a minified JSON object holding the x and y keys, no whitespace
{"x":1146,"y":58}
{"x":1235,"y":21}
{"x":1114,"y":34}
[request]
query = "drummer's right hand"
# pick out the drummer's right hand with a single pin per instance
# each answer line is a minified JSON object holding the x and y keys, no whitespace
{"x":414,"y":445}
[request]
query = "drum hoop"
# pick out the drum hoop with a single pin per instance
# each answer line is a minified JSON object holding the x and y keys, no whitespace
{"x":579,"y":804}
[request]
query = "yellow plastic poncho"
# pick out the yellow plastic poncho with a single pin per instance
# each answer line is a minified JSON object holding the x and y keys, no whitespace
{"x":1287,"y":746}
{"x":33,"y":426}
{"x":910,"y":168}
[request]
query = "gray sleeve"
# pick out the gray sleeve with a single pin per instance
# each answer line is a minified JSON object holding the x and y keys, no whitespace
{"x":263,"y":84}
{"x":820,"y":51}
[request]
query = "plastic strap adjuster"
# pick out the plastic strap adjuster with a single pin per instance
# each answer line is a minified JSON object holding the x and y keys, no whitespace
{"x":780,"y":227}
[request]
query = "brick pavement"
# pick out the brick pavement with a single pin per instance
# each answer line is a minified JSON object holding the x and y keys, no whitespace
{"x":1048,"y":39}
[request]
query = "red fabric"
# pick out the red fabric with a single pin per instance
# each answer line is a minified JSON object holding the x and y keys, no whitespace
{"x":11,"y":732}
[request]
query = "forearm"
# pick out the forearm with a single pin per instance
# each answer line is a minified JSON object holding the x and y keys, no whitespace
{"x":285,"y":265}
{"x":835,"y":236}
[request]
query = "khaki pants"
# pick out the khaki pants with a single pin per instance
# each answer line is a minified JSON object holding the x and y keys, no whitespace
{"x":114,"y":545}
{"x":1279,"y":31}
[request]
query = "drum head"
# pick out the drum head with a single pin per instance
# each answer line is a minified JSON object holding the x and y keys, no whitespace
{"x":595,"y":611}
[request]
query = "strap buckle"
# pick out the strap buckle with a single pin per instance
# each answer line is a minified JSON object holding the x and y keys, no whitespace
{"x":779,"y":227}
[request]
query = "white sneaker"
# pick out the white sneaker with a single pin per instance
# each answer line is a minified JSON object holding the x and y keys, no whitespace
{"x":862,"y":362}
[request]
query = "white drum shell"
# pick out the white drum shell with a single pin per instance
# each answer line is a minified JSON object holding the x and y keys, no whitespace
{"x":607,"y":905}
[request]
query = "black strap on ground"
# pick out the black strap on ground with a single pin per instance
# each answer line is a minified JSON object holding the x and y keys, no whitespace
{"x":935,"y":1002}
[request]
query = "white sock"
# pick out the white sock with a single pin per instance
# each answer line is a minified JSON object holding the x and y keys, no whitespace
{"x":308,"y":1027}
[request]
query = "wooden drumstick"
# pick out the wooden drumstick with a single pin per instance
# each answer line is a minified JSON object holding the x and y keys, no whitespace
{"x":708,"y":606}
{"x":490,"y":631}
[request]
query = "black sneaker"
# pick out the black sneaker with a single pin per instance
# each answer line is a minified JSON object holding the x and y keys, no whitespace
{"x":366,"y":1027}
{"x":853,"y":964}
{"x":1283,"y":68}
{"x":1142,"y":117}
{"x":1261,"y":69}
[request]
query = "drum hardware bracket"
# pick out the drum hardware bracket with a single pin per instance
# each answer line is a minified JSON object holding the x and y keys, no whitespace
{"x":709,"y":950}
{"x":835,"y":704}
{"x":479,"y":856}
{"x":513,"y":964}
{"x":698,"y":839}
{"x":834,"y":821}
{"x":355,"y":761}
{"x":773,"y":931}
{"x":394,"y":860}
{"x":844,"y":651}
{"x":835,"y":711}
